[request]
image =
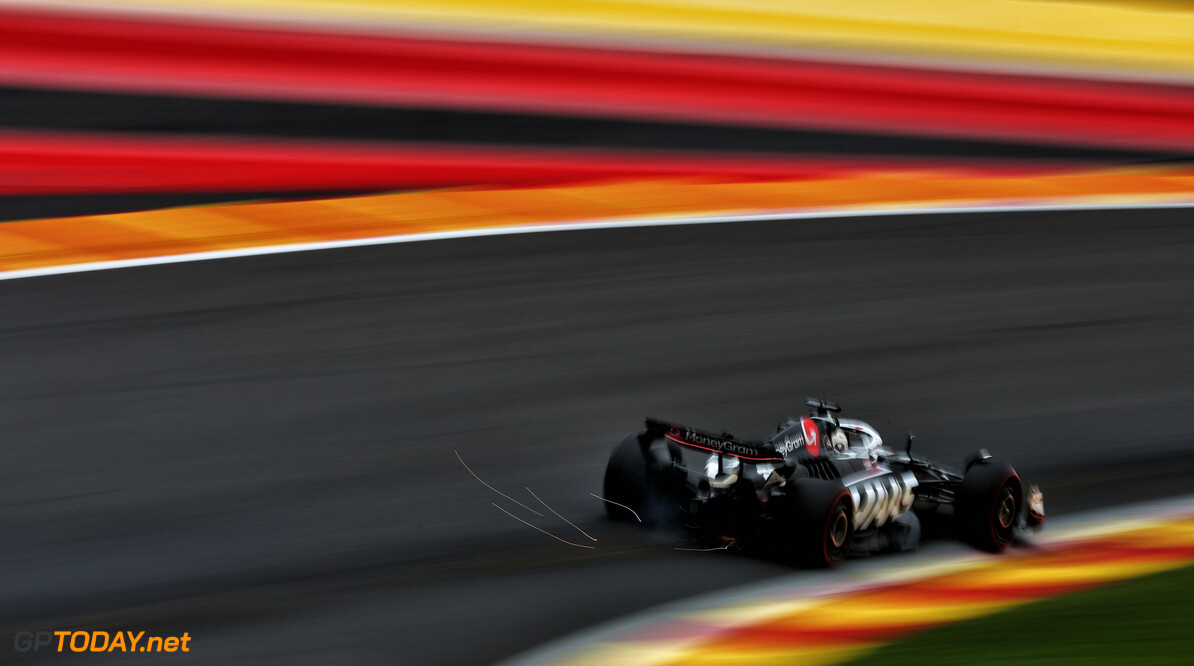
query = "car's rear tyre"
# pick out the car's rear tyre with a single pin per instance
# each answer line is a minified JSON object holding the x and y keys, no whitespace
{"x":628,"y":482}
{"x":989,"y":503}
{"x":814,"y":523}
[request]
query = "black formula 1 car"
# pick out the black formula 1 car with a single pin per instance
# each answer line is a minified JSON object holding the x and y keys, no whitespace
{"x":820,"y":489}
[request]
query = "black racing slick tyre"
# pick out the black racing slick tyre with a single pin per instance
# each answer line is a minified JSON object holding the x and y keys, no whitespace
{"x":628,"y":482}
{"x":814,"y":523}
{"x":989,"y":503}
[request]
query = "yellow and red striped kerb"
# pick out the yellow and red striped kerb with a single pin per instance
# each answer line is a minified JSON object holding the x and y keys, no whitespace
{"x":837,"y":627}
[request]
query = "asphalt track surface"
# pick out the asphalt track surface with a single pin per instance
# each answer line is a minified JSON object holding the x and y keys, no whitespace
{"x":261,"y":452}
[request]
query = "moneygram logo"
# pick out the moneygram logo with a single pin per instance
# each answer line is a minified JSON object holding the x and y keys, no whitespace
{"x":99,"y":641}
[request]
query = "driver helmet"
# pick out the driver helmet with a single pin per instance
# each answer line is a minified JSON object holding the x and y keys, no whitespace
{"x":838,"y":441}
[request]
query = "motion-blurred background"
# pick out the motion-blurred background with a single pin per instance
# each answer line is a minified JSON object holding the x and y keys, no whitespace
{"x":261,"y":451}
{"x":184,"y":101}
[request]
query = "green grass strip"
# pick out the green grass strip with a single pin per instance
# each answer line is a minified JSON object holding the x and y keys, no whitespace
{"x":1147,"y":620}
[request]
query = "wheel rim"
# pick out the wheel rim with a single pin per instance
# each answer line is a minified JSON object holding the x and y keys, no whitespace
{"x":839,"y":529}
{"x":1005,"y":514}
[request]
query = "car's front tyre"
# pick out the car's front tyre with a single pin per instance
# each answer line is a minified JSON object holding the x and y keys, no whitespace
{"x":989,"y":503}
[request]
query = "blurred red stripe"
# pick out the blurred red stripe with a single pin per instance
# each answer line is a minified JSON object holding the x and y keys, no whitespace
{"x":777,"y":636}
{"x":63,"y":50}
{"x":44,"y":163}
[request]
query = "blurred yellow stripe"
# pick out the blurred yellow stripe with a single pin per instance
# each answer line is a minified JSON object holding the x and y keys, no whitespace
{"x":1124,"y":36}
{"x":877,"y":615}
{"x":1102,"y":572}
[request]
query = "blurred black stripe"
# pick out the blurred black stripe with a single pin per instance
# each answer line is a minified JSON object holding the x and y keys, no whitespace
{"x":91,"y":111}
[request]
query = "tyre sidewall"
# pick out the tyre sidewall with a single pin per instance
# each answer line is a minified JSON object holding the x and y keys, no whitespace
{"x":814,"y":522}
{"x":982,"y":505}
{"x":627,"y":480}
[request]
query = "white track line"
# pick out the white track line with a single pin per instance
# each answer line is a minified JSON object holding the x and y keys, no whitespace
{"x":583,"y":225}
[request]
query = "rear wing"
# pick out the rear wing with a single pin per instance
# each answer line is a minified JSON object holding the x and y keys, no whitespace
{"x":723,"y":443}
